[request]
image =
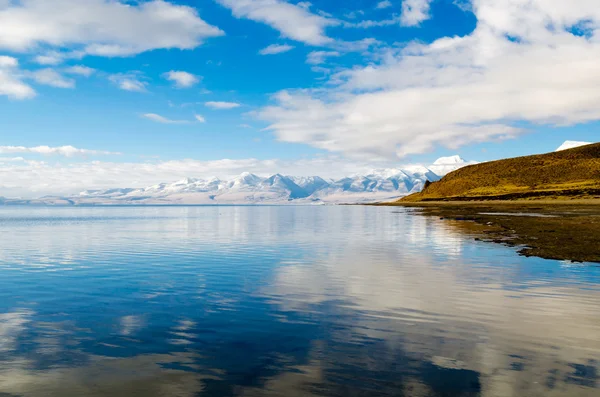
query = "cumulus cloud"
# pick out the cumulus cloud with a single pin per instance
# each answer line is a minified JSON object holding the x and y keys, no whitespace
{"x":525,"y":63}
{"x":414,"y":12}
{"x":100,"y":27}
{"x":128,"y":81}
{"x":11,"y":80}
{"x":67,"y":151}
{"x":276,"y":49}
{"x":292,"y":21}
{"x":52,"y":78}
{"x":157,"y":118}
{"x":182,"y":79}
{"x":222,"y":105}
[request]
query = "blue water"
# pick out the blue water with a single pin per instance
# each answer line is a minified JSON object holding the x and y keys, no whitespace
{"x":284,"y":301}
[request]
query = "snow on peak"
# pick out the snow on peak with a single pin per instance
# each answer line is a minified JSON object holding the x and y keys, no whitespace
{"x":248,"y":188}
{"x":449,"y":160}
{"x":185,"y":181}
{"x":385,"y":172}
{"x":445,"y":165}
{"x":246,"y":179}
{"x":571,"y":145}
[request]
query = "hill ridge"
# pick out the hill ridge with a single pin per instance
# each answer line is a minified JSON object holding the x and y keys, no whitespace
{"x":567,"y":173}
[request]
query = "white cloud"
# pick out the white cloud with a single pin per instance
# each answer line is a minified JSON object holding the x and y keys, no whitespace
{"x":163,"y":120}
{"x":292,"y":21}
{"x":276,"y":49}
{"x":11,"y":159}
{"x":414,"y":12}
{"x":80,"y":70}
{"x":304,"y":4}
{"x":8,"y":62}
{"x":357,"y":46}
{"x":52,"y":78}
{"x":521,"y":65}
{"x":101,"y":27}
{"x":128,"y":82}
{"x":200,"y":118}
{"x":319,"y":57}
{"x":464,"y":5}
{"x":67,"y":151}
{"x":370,"y":23}
{"x":222,"y":105}
{"x":354,"y":14}
{"x":182,"y":79}
{"x":11,"y":80}
{"x":51,"y":58}
{"x":383,"y":4}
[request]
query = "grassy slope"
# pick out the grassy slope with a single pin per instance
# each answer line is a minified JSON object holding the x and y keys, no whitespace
{"x":566,"y":174}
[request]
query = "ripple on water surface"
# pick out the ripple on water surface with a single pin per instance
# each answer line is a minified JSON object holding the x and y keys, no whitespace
{"x":284,"y":301}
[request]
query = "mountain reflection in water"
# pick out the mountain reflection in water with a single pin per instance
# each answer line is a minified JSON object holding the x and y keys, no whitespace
{"x":284,"y":301}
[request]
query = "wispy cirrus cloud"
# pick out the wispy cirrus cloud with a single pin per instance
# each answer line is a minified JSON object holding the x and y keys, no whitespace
{"x":51,"y":78}
{"x":276,"y":49}
{"x":222,"y":105}
{"x":50,"y":59}
{"x":296,"y":22}
{"x":80,"y":70}
{"x":67,"y":151}
{"x":157,"y":118}
{"x":131,"y":81}
{"x":319,"y":57}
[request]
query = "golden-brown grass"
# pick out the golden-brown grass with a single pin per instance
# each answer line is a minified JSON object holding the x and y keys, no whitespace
{"x":568,"y":174}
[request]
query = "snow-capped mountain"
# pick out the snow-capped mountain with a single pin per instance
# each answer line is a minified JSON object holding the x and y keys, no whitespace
{"x":310,"y":184}
{"x":247,"y":188}
{"x":445,"y":165}
{"x":571,"y":145}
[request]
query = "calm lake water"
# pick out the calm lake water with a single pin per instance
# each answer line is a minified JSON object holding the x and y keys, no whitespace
{"x":284,"y":301}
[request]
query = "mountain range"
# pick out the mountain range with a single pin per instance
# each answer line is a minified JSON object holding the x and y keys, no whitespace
{"x":247,"y":188}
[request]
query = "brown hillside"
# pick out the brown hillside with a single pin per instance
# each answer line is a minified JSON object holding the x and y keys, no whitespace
{"x":569,"y":173}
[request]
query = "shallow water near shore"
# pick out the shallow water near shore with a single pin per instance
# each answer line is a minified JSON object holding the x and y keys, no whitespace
{"x":284,"y":301}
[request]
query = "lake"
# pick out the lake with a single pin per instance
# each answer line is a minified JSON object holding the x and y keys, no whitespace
{"x":284,"y":301}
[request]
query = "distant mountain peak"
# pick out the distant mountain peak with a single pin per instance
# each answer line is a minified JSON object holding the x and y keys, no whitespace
{"x":572,"y":145}
{"x":246,"y":178}
{"x":185,"y":181}
{"x":456,"y":159}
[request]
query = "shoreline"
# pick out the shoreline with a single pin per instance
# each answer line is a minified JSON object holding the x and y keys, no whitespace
{"x":549,"y":229}
{"x":550,"y":202}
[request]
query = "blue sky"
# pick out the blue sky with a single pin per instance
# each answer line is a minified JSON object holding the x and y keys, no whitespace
{"x":326,"y":87}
